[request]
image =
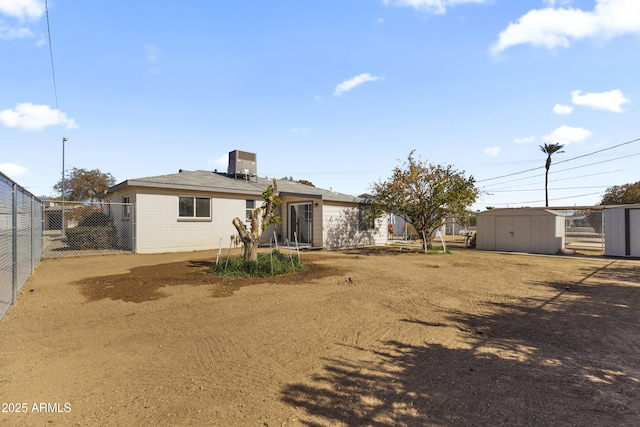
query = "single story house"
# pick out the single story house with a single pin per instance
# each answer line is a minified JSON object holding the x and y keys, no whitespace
{"x":194,"y":210}
{"x":622,"y":225}
{"x":529,"y":230}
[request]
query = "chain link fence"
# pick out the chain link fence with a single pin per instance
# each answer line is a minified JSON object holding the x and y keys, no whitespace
{"x":76,"y":229}
{"x":20,"y":239}
{"x":584,"y":228}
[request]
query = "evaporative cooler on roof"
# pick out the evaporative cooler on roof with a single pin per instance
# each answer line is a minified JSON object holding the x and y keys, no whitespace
{"x":242,"y":163}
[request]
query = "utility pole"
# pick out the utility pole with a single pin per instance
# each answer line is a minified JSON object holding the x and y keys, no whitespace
{"x":62,"y":226}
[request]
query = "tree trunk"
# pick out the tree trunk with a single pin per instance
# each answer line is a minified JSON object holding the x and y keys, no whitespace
{"x":251,"y":251}
{"x":249,"y":239}
{"x":546,"y":187}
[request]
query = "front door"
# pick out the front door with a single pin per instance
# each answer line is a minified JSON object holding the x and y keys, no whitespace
{"x":300,"y":223}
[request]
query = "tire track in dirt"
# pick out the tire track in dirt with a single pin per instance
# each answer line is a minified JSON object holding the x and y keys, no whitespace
{"x":213,"y":356}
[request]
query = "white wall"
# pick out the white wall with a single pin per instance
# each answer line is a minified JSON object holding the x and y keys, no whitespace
{"x":341,"y":228}
{"x":520,"y":230}
{"x":158,"y":228}
{"x":615,"y":231}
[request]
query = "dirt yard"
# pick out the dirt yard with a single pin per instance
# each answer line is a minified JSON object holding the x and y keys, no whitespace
{"x":362,"y":338}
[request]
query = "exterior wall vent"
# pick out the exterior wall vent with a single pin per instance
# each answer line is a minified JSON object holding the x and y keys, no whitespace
{"x":242,"y":163}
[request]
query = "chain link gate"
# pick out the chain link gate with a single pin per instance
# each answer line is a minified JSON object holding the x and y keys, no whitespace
{"x":76,"y":229}
{"x":584,"y":228}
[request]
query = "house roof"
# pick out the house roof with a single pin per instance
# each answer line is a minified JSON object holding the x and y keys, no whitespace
{"x":202,"y":180}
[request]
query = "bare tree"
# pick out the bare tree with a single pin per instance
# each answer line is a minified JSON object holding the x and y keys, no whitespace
{"x":260,"y":218}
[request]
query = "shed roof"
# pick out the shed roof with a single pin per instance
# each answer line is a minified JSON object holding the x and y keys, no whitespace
{"x":522,"y":211}
{"x":209,"y":181}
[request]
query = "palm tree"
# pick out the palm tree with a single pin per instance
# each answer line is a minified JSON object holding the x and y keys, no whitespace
{"x":549,"y":149}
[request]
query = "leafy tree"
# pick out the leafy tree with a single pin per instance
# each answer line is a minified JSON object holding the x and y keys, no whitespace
{"x":301,"y":181}
{"x":251,"y":237}
{"x":549,"y":149}
{"x":424,"y":194}
{"x":83,"y":185}
{"x":626,"y":194}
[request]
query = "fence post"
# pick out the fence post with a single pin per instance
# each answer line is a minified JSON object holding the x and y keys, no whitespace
{"x":133,"y":228}
{"x":32,"y":234}
{"x":14,"y":243}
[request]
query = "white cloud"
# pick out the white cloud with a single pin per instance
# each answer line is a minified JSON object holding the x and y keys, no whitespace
{"x":562,"y":110}
{"x":32,"y":117}
{"x":553,"y":3}
{"x":612,"y":100}
{"x":10,"y":33}
{"x":152,"y":53}
{"x":12,"y":170}
{"x":347,"y":85}
{"x":223,"y":160}
{"x":30,"y":10}
{"x":492,"y":151}
{"x":438,"y":7}
{"x":299,"y":129}
{"x":566,"y":135}
{"x":555,"y":27}
{"x":526,"y":140}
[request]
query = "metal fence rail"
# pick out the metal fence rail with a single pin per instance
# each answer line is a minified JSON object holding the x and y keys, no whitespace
{"x":20,"y":239}
{"x":87,"y":228}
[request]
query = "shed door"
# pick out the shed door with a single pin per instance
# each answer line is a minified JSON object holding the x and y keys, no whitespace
{"x":513,"y":234}
{"x":634,"y":231}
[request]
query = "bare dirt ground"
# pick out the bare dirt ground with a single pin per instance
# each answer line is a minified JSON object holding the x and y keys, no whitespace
{"x":362,"y":338}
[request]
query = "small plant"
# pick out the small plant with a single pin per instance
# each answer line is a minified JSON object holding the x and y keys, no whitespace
{"x":437,"y":250}
{"x":266,"y":265}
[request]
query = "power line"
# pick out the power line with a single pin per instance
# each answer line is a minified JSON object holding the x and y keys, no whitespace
{"x":541,"y":201}
{"x":53,"y":71}
{"x":599,"y":151}
{"x":556,"y":180}
{"x":567,"y":169}
{"x":542,"y":189}
{"x":564,"y":161}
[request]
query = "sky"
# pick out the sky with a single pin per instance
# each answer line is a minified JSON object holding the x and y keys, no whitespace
{"x":336,"y":92}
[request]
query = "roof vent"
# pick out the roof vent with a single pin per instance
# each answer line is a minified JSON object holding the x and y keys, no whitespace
{"x":242,"y":163}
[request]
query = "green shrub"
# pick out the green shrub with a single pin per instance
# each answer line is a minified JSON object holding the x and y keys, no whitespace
{"x":96,"y":219}
{"x":84,"y":237}
{"x":267,"y":265}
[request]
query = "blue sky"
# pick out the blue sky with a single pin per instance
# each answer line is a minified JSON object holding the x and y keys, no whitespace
{"x":336,"y":92}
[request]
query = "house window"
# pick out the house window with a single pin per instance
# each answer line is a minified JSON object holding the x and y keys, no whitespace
{"x":251,"y":205}
{"x":126,"y":207}
{"x":366,"y":221}
{"x":194,"y":207}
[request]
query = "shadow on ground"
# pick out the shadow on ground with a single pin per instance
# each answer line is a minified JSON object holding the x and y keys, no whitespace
{"x":572,"y":359}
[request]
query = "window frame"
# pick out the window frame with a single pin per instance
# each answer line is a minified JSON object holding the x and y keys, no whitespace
{"x":126,"y":207}
{"x":194,"y":206}
{"x":248,"y":210}
{"x":364,"y":222}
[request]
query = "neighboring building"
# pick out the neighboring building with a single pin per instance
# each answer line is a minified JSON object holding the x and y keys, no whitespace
{"x":622,"y":225}
{"x":530,"y":230}
{"x":193,"y":210}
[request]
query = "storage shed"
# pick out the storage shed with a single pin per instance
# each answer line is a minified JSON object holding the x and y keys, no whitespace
{"x":622,"y":230}
{"x":530,"y":230}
